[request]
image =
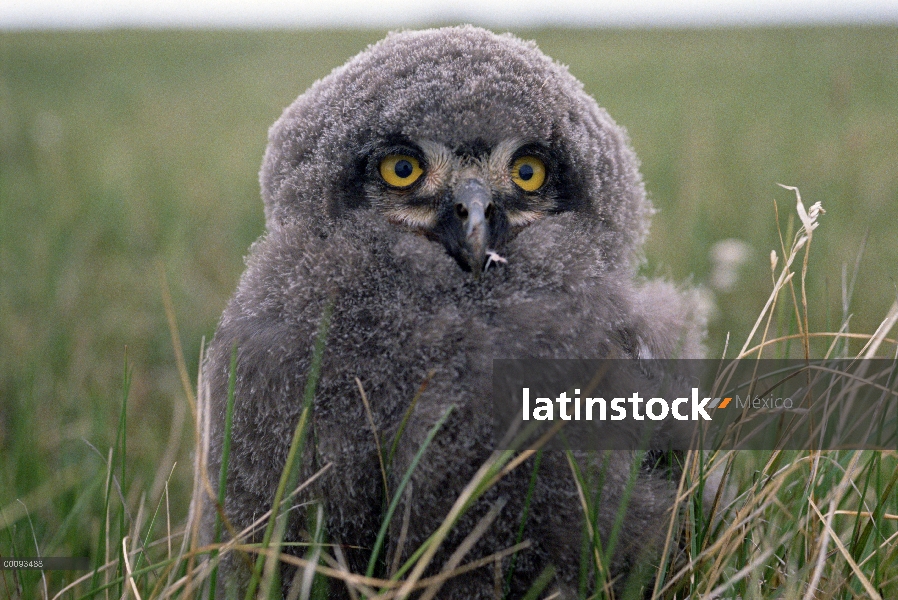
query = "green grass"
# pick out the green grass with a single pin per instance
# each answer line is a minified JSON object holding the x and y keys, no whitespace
{"x":122,"y":151}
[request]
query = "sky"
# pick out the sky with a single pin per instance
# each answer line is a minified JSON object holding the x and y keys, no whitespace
{"x":18,"y":14}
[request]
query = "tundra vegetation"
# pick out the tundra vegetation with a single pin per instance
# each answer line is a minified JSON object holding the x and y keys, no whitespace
{"x":129,"y":194}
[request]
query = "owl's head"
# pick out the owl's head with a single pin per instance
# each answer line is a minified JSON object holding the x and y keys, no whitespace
{"x":460,"y":135}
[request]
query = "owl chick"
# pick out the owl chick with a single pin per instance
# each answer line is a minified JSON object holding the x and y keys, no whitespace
{"x":454,"y":196}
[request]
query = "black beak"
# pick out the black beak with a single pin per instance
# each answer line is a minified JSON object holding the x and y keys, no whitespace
{"x":473,"y":208}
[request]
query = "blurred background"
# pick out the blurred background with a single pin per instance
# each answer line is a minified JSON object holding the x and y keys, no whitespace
{"x":130,"y":142}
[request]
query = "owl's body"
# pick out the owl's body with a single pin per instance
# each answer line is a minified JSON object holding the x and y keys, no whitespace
{"x":397,"y":193}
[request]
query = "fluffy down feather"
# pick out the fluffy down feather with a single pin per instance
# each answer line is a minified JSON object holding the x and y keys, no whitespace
{"x":402,"y":308}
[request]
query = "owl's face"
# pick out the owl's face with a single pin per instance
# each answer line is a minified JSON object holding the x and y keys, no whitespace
{"x":471,"y":197}
{"x":459,"y":135}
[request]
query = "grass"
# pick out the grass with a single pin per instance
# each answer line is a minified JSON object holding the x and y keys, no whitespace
{"x":125,"y":150}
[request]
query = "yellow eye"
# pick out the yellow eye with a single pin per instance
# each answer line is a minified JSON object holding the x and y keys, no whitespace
{"x":529,"y":173}
{"x":400,"y":170}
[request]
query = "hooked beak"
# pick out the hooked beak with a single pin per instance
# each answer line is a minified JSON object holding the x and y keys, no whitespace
{"x":472,"y":207}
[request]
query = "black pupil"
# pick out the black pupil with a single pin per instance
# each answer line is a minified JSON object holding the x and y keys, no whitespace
{"x":403,"y":169}
{"x":525,"y":172}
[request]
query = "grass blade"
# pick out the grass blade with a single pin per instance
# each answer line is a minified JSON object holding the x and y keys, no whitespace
{"x":397,"y":496}
{"x":223,"y":474}
{"x":291,"y":468}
